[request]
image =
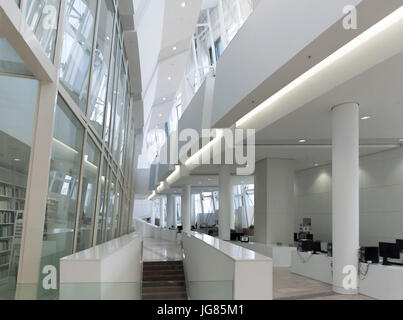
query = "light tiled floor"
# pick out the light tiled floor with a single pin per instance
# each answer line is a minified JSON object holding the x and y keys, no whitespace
{"x":161,"y":250}
{"x":289,"y":286}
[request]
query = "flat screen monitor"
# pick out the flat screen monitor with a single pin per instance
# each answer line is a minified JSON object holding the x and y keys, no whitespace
{"x":388,"y":250}
{"x":306,"y":245}
{"x":399,"y":243}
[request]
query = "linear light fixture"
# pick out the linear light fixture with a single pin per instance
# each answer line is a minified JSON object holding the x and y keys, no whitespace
{"x":153,"y":194}
{"x":173,"y":176}
{"x":194,"y":160}
{"x":364,"y":37}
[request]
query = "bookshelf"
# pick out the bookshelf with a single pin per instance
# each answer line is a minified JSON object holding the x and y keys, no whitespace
{"x":12,"y":205}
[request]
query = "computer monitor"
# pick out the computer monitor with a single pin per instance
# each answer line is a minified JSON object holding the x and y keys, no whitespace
{"x":309,"y":236}
{"x":316,"y":247}
{"x":399,"y":244}
{"x":388,"y":250}
{"x":306,"y":245}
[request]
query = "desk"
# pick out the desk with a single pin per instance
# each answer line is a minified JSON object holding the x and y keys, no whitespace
{"x":314,"y":266}
{"x":382,"y":282}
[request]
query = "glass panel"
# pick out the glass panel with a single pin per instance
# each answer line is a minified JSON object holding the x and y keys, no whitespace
{"x":119,"y":111}
{"x":117,"y":212}
{"x":100,"y":72}
{"x":103,"y":202}
{"x":42,"y":17}
{"x":63,"y":187}
{"x":10,"y":61}
{"x":123,"y":134}
{"x":111,"y":90}
{"x":16,"y":127}
{"x":77,"y":49}
{"x":111,"y":207}
{"x":88,"y":201}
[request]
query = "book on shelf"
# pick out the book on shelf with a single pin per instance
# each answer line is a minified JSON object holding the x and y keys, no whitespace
{"x":6,"y":190}
{"x":5,"y":205}
{"x":6,"y":231}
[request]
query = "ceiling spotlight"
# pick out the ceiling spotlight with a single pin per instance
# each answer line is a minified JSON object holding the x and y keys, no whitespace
{"x":174,"y":48}
{"x":169,"y":78}
{"x":17,"y":160}
{"x":164,"y":99}
{"x":316,"y":164}
{"x":365,"y":118}
{"x":401,"y":140}
{"x":302,"y":141}
{"x":183,"y":4}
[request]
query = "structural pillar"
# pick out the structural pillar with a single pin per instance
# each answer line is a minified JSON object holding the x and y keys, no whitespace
{"x":225,"y":200}
{"x":162,"y":215}
{"x":274,"y":201}
{"x":345,"y":196}
{"x":186,"y":207}
{"x":152,"y":220}
{"x":171,"y":211}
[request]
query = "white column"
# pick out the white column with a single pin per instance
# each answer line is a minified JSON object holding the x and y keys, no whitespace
{"x":170,"y":210}
{"x":225,"y":200}
{"x":152,"y":221}
{"x":185,"y":207}
{"x":345,"y":192}
{"x":162,"y":215}
{"x":274,"y":201}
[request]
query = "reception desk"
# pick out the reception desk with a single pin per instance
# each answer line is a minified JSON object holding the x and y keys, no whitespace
{"x":375,"y":280}
{"x":382,"y":282}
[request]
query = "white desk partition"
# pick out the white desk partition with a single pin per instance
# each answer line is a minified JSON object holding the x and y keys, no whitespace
{"x":382,"y":282}
{"x":216,"y":269}
{"x":149,"y":230}
{"x":314,"y":266}
{"x":112,"y":270}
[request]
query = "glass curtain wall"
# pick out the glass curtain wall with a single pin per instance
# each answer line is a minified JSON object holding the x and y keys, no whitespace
{"x":89,"y":192}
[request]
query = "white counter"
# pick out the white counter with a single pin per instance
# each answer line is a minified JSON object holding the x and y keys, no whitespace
{"x":382,"y":282}
{"x":149,"y":230}
{"x":104,"y":272}
{"x":314,"y":266}
{"x":219,"y":269}
{"x":281,"y":255}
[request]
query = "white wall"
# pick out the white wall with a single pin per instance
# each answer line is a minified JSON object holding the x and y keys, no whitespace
{"x":381,"y":198}
{"x":142,"y":209}
{"x":263,"y":45}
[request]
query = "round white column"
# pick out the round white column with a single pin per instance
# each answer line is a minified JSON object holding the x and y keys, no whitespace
{"x":185,"y":207}
{"x":170,"y":211}
{"x":152,"y":221}
{"x":345,"y":194}
{"x":162,"y":215}
{"x":225,"y":200}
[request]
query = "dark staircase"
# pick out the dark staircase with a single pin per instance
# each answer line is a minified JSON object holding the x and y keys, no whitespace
{"x":164,"y":280}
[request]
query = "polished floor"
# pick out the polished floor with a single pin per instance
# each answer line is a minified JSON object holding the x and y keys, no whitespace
{"x":161,"y":250}
{"x":289,"y":286}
